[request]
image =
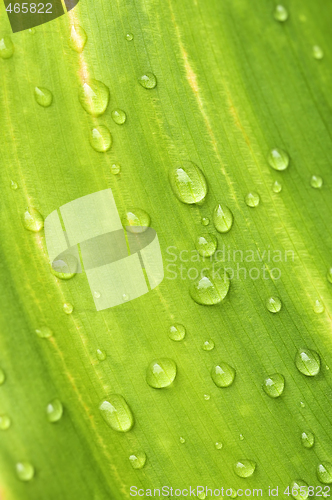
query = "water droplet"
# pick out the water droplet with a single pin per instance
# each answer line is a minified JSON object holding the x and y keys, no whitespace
{"x":299,"y":490}
{"x":241,"y":437}
{"x":233,"y":493}
{"x":148,"y":81}
{"x":252,"y":199}
{"x":94,"y":97}
{"x":280,"y":13}
{"x":208,"y":345}
{"x":206,"y":244}
{"x":68,"y":307}
{"x":317,"y":52}
{"x":33,"y":220}
{"x":188,"y":183}
{"x":223,"y":375}
{"x":316,"y":182}
{"x":78,"y":38}
{"x":2,"y":376}
{"x":222,"y":218}
{"x":177,"y":332}
{"x":161,"y":373}
{"x":319,"y":307}
{"x":273,"y":304}
{"x":44,"y":332}
{"x":119,"y":116}
{"x":201,"y":495}
{"x":100,"y":139}
{"x":65,"y":268}
{"x":302,"y":404}
{"x":308,"y":362}
{"x":125,"y":297}
{"x":182,"y":440}
{"x":32,"y":31}
{"x":244,"y":468}
{"x":115,"y":169}
{"x":329,"y":275}
{"x":307,"y":439}
{"x":138,"y":460}
{"x":136,"y":220}
{"x":117,"y":413}
{"x":5,"y":422}
{"x":205,"y":221}
{"x":129,"y":37}
{"x":13,"y":185}
{"x":278,"y":159}
{"x":211,"y":288}
{"x":96,"y":295}
{"x":324,"y":472}
{"x":43,"y":96}
{"x":54,"y":410}
{"x":207,"y":397}
{"x":277,"y":187}
{"x":218,"y":445}
{"x":25,"y":471}
{"x":6,"y":47}
{"x":101,"y":355}
{"x":274,"y":385}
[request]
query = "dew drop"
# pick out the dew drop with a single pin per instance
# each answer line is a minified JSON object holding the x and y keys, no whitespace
{"x":136,"y":220}
{"x":44,"y":332}
{"x":5,"y":422}
{"x":115,"y":169}
{"x":100,"y":139}
{"x":319,"y":307}
{"x":324,"y":472}
{"x":329,"y":275}
{"x":33,"y":220}
{"x":138,"y":460}
{"x":233,"y":493}
{"x":188,"y":183}
{"x":223,"y":375}
{"x":244,"y":468}
{"x":278,"y":159}
{"x":148,"y":81}
{"x":206,"y":244}
{"x":273,"y":304}
{"x":125,"y":297}
{"x":177,"y":332}
{"x":78,"y":38}
{"x":43,"y":96}
{"x":101,"y":355}
{"x":308,"y":362}
{"x":307,"y":439}
{"x":205,"y":221}
{"x":117,"y":413}
{"x":252,"y":199}
{"x":96,"y":295}
{"x":182,"y":440}
{"x":201,"y":495}
{"x":241,"y":437}
{"x":207,"y":397}
{"x":6,"y":47}
{"x":222,"y":218}
{"x":218,"y":445}
{"x":316,"y":182}
{"x":299,"y":490}
{"x":68,"y":307}
{"x":302,"y":404}
{"x":32,"y":31}
{"x":94,"y":97}
{"x":25,"y":471}
{"x":209,"y":289}
{"x":2,"y":376}
{"x":129,"y":37}
{"x":208,"y":345}
{"x":161,"y":373}
{"x":119,"y":116}
{"x":280,"y":13}
{"x":277,"y":187}
{"x":65,"y":268}
{"x":54,"y":411}
{"x":317,"y":52}
{"x":274,"y":385}
{"x":13,"y":185}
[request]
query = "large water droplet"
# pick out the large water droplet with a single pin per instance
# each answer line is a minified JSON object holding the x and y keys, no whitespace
{"x":43,"y":96}
{"x":280,"y":13}
{"x":222,"y":218}
{"x":208,"y":345}
{"x":33,"y":220}
{"x":278,"y":159}
{"x":274,"y":385}
{"x":54,"y":410}
{"x":308,"y":362}
{"x":316,"y":182}
{"x":188,"y":183}
{"x":211,"y":288}
{"x":78,"y":38}
{"x":252,"y":199}
{"x":117,"y":413}
{"x":136,"y":220}
{"x":2,"y":376}
{"x":119,"y":116}
{"x":25,"y":471}
{"x":244,"y":468}
{"x":206,"y":244}
{"x":319,"y":307}
{"x":324,"y":472}
{"x":299,"y":490}
{"x":277,"y":187}
{"x":148,"y":81}
{"x":101,"y":355}
{"x":100,"y":139}
{"x":177,"y":332}
{"x":273,"y":304}
{"x":6,"y":47}
{"x":44,"y":332}
{"x":138,"y":460}
{"x":94,"y":97}
{"x":317,"y":52}
{"x":223,"y":375}
{"x":161,"y":373}
{"x":5,"y":422}
{"x":68,"y":307}
{"x":307,"y":439}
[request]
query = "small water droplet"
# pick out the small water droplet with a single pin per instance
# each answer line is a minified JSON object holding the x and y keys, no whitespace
{"x":54,"y":411}
{"x":117,"y":413}
{"x":115,"y":169}
{"x":277,"y":187}
{"x":188,"y":183}
{"x":201,"y":495}
{"x":6,"y":47}
{"x":307,"y":439}
{"x":43,"y":96}
{"x":5,"y":422}
{"x":2,"y":376}
{"x":233,"y":493}
{"x":316,"y":182}
{"x":94,"y":97}
{"x":278,"y":159}
{"x":100,"y":139}
{"x":119,"y":116}
{"x":244,"y":468}
{"x":329,"y":275}
{"x":125,"y":297}
{"x":280,"y":13}
{"x":252,"y":199}
{"x":44,"y":332}
{"x":136,"y":220}
{"x":129,"y":37}
{"x":206,"y":244}
{"x":223,"y":375}
{"x":78,"y":38}
{"x":33,"y":220}
{"x":209,"y":289}
{"x":273,"y":304}
{"x":96,"y":295}
{"x":148,"y":81}
{"x":32,"y":31}
{"x":138,"y":460}
{"x":299,"y":490}
{"x":101,"y":355}
{"x":241,"y":437}
{"x":208,"y":345}
{"x":68,"y":307}
{"x":317,"y":52}
{"x":324,"y":472}
{"x":25,"y":471}
{"x":13,"y":185}
{"x":218,"y":445}
{"x":222,"y":218}
{"x":308,"y":362}
{"x":274,"y":385}
{"x":177,"y":332}
{"x":182,"y":440}
{"x":319,"y":307}
{"x":65,"y":268}
{"x":302,"y":404}
{"x":161,"y":373}
{"x":205,"y":221}
{"x":207,"y":397}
